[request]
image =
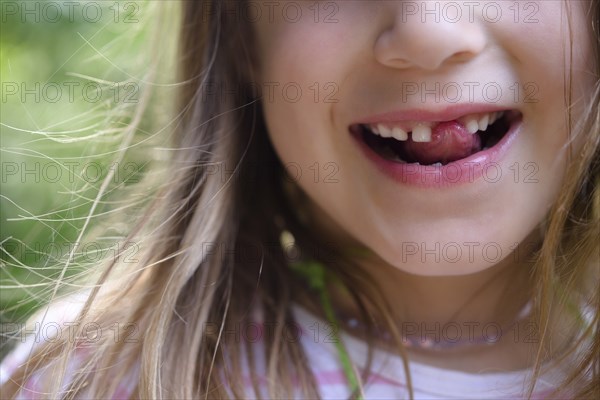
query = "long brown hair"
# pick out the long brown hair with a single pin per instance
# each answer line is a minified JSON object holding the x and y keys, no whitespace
{"x":225,"y":196}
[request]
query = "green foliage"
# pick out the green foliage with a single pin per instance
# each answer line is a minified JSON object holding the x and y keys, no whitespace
{"x":71,"y":81}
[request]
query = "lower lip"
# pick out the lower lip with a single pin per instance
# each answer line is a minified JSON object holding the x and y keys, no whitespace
{"x":483,"y":164}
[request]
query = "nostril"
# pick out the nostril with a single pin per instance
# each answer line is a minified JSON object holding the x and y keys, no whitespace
{"x":462,"y":56}
{"x":398,"y":62}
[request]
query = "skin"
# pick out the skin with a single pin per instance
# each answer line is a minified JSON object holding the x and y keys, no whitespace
{"x":368,"y":54}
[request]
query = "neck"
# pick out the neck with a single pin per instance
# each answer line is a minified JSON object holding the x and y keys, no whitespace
{"x":485,"y":297}
{"x":495,"y":295}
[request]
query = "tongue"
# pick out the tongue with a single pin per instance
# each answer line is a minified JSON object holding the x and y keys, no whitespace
{"x":450,"y":141}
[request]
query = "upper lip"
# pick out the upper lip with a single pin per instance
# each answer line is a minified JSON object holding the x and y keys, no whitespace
{"x":450,"y":113}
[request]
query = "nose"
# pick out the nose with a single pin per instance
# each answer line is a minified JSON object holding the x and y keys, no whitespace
{"x":428,"y":36}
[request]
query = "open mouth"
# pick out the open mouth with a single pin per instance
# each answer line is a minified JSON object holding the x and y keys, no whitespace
{"x":436,"y":143}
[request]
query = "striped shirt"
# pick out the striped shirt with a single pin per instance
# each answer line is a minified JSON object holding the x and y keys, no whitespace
{"x":387,"y":379}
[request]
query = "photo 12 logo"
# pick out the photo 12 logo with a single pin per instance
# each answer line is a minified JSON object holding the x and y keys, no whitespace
{"x":469,"y":11}
{"x":51,"y":252}
{"x":70,"y":91}
{"x":70,"y":331}
{"x":271,"y":91}
{"x":68,"y":171}
{"x":52,"y":12}
{"x":470,"y":92}
{"x":272,"y":11}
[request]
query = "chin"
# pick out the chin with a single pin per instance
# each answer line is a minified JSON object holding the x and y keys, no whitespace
{"x":454,"y":254}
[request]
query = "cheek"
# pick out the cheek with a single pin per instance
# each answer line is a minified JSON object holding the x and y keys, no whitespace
{"x":546,"y":63}
{"x":314,"y":54}
{"x":303,"y":68}
{"x":302,"y":50}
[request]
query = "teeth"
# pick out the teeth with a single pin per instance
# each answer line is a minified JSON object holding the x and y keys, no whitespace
{"x":480,"y":122}
{"x":384,"y":131}
{"x":493,"y":117}
{"x":399,"y":134}
{"x":483,"y":122}
{"x":496,"y":116}
{"x":421,"y":133}
{"x":437,"y":164}
{"x":472,"y":125}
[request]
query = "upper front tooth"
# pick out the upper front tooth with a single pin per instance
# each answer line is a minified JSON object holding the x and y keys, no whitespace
{"x":496,"y":116}
{"x":483,"y":122}
{"x":384,"y":131}
{"x":399,"y":134}
{"x":374,"y":129}
{"x":472,"y":125}
{"x":421,"y":133}
{"x":493,"y":117}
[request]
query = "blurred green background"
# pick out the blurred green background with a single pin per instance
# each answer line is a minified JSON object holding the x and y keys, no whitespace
{"x":73,"y":74}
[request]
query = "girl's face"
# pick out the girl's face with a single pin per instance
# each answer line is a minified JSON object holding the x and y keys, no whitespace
{"x":435,"y":198}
